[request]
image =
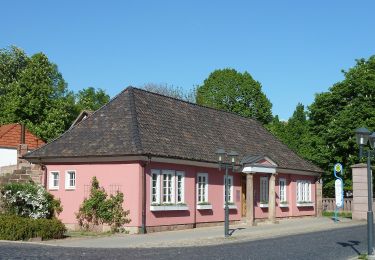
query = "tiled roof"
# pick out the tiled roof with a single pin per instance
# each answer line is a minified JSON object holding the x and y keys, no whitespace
{"x":137,"y":122}
{"x":10,"y":137}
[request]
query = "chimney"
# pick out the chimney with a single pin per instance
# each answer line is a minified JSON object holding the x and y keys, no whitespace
{"x":23,"y":133}
{"x":22,"y":148}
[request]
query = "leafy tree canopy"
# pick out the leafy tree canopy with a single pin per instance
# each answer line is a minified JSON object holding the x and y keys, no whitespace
{"x":326,"y":135}
{"x":236,"y":92}
{"x":334,"y":115}
{"x":91,"y":99}
{"x":33,"y":91}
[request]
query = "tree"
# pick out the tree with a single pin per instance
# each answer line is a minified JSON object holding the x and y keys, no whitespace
{"x":34,"y":92}
{"x":236,"y":92}
{"x":295,"y":132}
{"x":171,"y":91}
{"x":91,"y":99}
{"x":334,"y":115}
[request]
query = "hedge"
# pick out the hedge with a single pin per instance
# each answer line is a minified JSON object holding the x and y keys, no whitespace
{"x":19,"y":228}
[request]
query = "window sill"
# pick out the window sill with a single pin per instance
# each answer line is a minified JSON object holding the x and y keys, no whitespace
{"x":309,"y":204}
{"x":231,"y":206}
{"x":70,"y":188}
{"x":169,"y":208}
{"x":283,"y":205}
{"x":53,"y":188}
{"x":204,"y":206}
{"x":263,"y":205}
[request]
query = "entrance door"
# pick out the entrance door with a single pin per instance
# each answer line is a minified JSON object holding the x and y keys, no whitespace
{"x":243,"y":196}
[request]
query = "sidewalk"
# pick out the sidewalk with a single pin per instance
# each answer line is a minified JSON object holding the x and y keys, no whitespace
{"x":208,"y":235}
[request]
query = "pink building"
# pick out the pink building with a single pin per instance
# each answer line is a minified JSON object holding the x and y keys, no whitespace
{"x":160,"y":152}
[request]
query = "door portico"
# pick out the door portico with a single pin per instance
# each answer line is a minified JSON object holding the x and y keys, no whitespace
{"x":255,"y":165}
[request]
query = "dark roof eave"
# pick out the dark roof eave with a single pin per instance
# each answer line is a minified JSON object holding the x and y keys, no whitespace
{"x":151,"y":155}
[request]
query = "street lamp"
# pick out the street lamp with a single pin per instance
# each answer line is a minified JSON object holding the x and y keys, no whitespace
{"x":221,"y":155}
{"x":363,"y":136}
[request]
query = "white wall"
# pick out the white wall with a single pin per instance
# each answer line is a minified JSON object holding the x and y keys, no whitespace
{"x":8,"y":156}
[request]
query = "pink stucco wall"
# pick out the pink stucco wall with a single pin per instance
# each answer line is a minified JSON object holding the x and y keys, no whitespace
{"x":215,"y":197}
{"x":125,"y":176}
{"x":128,"y":177}
{"x":291,"y":192}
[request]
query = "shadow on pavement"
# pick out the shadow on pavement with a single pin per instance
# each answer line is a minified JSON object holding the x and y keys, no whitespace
{"x":231,"y":231}
{"x":350,"y":244}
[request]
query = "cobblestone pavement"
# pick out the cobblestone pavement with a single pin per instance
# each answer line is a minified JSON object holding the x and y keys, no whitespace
{"x":209,"y":235}
{"x":341,"y":243}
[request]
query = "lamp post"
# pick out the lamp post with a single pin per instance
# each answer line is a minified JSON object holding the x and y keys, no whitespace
{"x":363,"y":136}
{"x":232,"y":155}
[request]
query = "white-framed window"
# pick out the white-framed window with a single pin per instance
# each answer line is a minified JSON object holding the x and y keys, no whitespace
{"x":303,"y":191}
{"x":264,"y":189}
{"x":155,"y":186}
{"x":70,"y":179}
{"x":167,"y":186}
{"x":202,"y":187}
{"x":282,"y":186}
{"x":230,"y":188}
{"x":180,"y":187}
{"x":54,"y":178}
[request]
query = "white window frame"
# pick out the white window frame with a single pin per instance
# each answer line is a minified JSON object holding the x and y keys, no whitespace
{"x":182,"y":196}
{"x":169,"y":196}
{"x":68,"y":179}
{"x":263,"y":194}
{"x":157,"y":174}
{"x":303,"y":191}
{"x":230,"y":197}
{"x":52,"y":179}
{"x":202,"y":193}
{"x":157,"y":190}
{"x":282,"y":192}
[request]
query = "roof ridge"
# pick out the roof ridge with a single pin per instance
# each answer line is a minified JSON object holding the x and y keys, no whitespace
{"x":71,"y":128}
{"x":135,"y":124}
{"x":194,"y":104}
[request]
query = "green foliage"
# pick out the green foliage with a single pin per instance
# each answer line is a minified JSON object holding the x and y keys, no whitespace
{"x":236,"y":92}
{"x":19,"y":228}
{"x":334,"y":115}
{"x":29,"y":200}
{"x":33,"y":91}
{"x":101,"y":209}
{"x":340,"y":214}
{"x":91,"y":99}
{"x":326,"y":135}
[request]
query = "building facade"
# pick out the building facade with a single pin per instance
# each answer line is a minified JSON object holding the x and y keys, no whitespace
{"x":160,"y":152}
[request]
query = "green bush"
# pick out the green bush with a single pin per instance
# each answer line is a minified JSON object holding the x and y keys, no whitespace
{"x":29,"y":200}
{"x":101,"y":209}
{"x":19,"y":228}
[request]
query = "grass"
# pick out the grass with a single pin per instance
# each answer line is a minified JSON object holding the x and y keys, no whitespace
{"x":340,"y":214}
{"x":363,"y":256}
{"x":87,"y":234}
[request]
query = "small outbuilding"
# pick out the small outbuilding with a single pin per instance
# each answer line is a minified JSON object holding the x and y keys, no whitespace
{"x":160,"y":152}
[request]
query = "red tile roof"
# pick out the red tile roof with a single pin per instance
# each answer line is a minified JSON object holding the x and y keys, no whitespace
{"x":10,"y":137}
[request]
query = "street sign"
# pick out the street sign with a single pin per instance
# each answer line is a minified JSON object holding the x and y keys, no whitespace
{"x":339,"y":193}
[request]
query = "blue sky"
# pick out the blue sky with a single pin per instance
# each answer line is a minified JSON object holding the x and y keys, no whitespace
{"x":294,"y":48}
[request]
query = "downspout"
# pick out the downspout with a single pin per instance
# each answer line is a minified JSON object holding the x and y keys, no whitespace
{"x":195,"y":199}
{"x":144,"y":166}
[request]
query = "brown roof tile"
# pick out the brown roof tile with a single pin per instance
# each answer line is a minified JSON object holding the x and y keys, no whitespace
{"x":138,"y":122}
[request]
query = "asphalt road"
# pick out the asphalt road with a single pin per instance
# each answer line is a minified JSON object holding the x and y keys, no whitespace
{"x":335,"y":244}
